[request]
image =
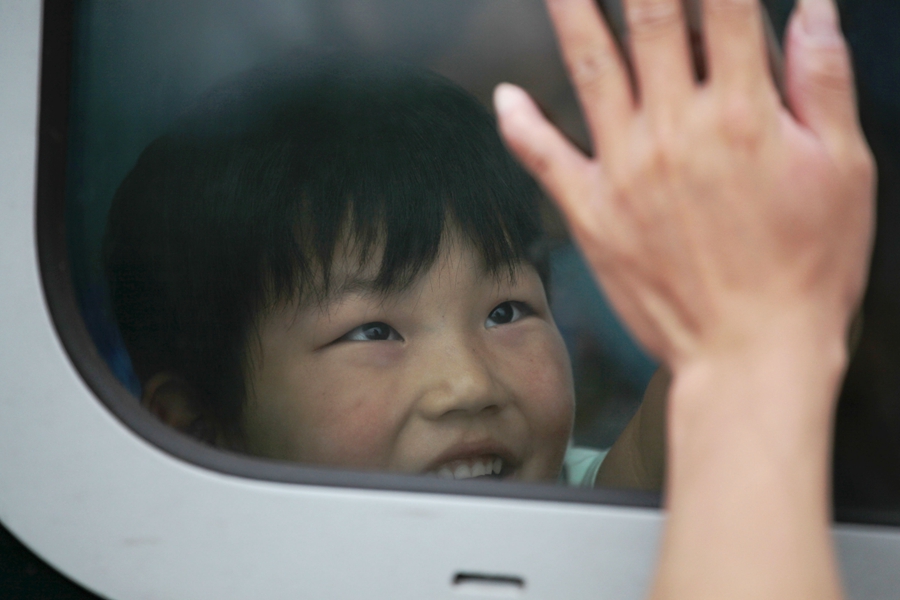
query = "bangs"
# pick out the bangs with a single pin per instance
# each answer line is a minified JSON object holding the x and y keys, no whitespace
{"x":388,"y":163}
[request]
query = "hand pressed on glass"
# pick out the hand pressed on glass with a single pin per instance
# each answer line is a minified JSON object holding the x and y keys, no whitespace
{"x":696,"y":189}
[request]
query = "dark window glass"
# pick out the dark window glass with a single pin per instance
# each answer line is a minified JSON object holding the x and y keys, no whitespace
{"x":383,"y":168}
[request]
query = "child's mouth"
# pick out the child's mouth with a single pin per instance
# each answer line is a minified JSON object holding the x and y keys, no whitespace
{"x":491,"y":466}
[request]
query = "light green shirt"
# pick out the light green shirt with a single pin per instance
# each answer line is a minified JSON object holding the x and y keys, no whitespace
{"x":580,"y":466}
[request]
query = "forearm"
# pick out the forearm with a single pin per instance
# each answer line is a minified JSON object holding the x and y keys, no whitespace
{"x":748,"y":479}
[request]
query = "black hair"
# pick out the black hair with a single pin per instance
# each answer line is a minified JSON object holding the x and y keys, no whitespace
{"x":244,"y":200}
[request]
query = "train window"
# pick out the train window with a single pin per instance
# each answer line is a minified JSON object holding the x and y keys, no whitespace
{"x":292,"y":233}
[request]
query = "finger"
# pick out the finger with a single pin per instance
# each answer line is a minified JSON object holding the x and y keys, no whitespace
{"x":557,"y":165}
{"x":819,"y":75}
{"x":596,"y":67}
{"x":736,"y":45}
{"x":660,"y":50}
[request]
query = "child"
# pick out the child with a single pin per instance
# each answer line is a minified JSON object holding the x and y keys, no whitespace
{"x":333,"y":263}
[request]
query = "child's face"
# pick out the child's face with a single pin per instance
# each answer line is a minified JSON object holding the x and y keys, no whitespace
{"x":447,"y":376}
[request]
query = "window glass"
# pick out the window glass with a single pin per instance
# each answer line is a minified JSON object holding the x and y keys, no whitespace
{"x":294,"y":233}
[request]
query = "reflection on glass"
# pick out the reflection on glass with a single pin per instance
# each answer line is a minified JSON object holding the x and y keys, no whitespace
{"x":333,"y":260}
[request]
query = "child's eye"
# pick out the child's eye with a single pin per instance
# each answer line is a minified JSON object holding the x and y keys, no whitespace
{"x":507,"y":312}
{"x":372,"y":332}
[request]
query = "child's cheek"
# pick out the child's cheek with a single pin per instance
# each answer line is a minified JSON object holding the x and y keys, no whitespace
{"x":536,"y":357}
{"x":557,"y":401}
{"x":354,"y":418}
{"x":551,"y":414}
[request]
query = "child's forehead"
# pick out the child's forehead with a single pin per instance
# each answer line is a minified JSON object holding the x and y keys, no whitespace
{"x":358,"y":271}
{"x":355,"y":270}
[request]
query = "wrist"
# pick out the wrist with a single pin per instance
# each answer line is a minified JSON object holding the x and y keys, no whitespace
{"x":773,"y":394}
{"x":799,"y":351}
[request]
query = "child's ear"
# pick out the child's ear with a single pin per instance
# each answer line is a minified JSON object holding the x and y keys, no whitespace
{"x":174,"y":401}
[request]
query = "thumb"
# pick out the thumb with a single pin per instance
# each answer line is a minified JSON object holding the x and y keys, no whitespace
{"x":819,"y":73}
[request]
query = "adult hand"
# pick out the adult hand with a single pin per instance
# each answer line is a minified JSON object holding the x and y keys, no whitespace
{"x":710,"y":210}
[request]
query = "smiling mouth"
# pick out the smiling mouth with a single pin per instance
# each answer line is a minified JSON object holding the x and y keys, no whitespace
{"x":487,"y":466}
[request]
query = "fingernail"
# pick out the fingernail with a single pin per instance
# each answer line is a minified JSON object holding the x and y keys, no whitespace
{"x":820,"y":19}
{"x":507,"y":97}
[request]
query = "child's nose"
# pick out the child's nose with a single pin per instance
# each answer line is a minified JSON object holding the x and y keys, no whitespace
{"x":461,"y":382}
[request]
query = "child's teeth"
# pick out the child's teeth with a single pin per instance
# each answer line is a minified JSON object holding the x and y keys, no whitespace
{"x":470,"y":468}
